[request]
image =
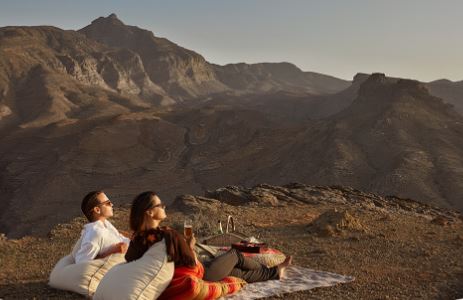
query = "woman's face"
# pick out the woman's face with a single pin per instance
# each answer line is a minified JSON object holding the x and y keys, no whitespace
{"x":158,"y":211}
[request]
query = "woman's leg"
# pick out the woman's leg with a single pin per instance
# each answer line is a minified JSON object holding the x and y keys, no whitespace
{"x":221,"y":266}
{"x":247,"y":263}
{"x":262,"y":274}
{"x":233,"y":263}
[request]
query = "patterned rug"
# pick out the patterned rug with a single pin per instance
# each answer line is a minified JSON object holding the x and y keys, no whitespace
{"x":297,"y":279}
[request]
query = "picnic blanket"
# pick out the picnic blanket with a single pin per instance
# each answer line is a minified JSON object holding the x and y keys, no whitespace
{"x":297,"y":279}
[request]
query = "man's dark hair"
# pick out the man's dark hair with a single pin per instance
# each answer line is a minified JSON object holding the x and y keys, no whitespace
{"x":88,"y":203}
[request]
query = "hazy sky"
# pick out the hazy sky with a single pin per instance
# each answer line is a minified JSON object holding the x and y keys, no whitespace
{"x":417,"y":39}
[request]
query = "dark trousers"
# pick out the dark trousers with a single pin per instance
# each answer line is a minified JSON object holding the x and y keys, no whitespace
{"x":233,"y":263}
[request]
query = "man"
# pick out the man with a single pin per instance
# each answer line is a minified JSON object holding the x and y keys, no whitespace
{"x":99,"y":237}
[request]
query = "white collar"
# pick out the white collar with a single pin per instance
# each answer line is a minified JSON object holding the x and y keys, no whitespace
{"x":98,"y":224}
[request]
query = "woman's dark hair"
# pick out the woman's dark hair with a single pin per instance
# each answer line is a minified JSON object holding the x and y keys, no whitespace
{"x":178,"y":249}
{"x":88,"y":203}
{"x":140,"y":205}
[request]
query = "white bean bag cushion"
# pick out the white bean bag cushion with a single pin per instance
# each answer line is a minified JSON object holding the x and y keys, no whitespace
{"x":84,"y":277}
{"x":144,"y":278}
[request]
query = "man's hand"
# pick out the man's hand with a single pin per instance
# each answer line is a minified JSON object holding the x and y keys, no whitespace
{"x":115,"y":248}
{"x":120,"y":248}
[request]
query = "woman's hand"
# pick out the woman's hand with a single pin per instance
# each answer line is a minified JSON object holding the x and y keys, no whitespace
{"x":192,"y":242}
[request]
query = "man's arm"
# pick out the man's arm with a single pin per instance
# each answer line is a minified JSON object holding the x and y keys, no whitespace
{"x":90,"y":246}
{"x":115,"y":248}
{"x":123,"y":235}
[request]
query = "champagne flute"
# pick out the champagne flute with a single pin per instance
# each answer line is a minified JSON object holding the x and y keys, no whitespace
{"x":188,"y":228}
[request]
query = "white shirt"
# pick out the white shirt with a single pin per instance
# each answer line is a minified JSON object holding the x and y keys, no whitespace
{"x":97,"y":237}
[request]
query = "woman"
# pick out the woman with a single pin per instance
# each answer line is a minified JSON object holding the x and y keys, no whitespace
{"x":146,"y":214}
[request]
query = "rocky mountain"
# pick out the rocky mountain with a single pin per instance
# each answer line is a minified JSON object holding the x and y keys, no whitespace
{"x":185,"y":74}
{"x":293,"y":107}
{"x":121,"y":68}
{"x":450,"y":91}
{"x":394,"y":139}
{"x":274,"y":77}
{"x":182,"y":73}
{"x":395,"y":248}
{"x":50,"y":75}
{"x":113,"y":107}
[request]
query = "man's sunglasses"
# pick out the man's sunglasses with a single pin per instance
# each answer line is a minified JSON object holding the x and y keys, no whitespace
{"x":107,"y":203}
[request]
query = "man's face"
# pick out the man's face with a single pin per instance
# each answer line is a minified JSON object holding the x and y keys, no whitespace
{"x":105,"y":207}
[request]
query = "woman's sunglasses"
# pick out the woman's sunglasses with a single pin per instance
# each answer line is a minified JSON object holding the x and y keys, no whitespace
{"x":161,"y":205}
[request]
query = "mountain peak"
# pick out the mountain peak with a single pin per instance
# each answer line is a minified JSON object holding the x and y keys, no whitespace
{"x":377,"y":78}
{"x":112,"y":19}
{"x":372,"y":83}
{"x":378,"y":92}
{"x":360,"y":77}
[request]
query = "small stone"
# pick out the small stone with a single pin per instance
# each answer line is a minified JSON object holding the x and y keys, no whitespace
{"x":440,"y":220}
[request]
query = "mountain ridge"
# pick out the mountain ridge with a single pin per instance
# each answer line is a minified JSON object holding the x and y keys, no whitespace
{"x":147,"y":70}
{"x":375,"y":144}
{"x":84,"y":116}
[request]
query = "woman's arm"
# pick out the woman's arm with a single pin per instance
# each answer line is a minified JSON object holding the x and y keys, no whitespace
{"x":192,"y":243}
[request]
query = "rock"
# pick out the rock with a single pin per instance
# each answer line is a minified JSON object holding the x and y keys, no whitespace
{"x":319,"y":252}
{"x":441,"y":220}
{"x":191,"y":205}
{"x":232,"y":195}
{"x":295,"y":185}
{"x":354,"y":239}
{"x":368,"y":205}
{"x":264,"y":197}
{"x":459,"y":238}
{"x":327,"y":231}
{"x":333,"y":223}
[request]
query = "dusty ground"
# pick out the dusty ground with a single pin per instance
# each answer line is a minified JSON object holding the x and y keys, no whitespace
{"x":396,"y":249}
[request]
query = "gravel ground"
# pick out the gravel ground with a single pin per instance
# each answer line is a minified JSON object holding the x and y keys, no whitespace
{"x":393,"y":253}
